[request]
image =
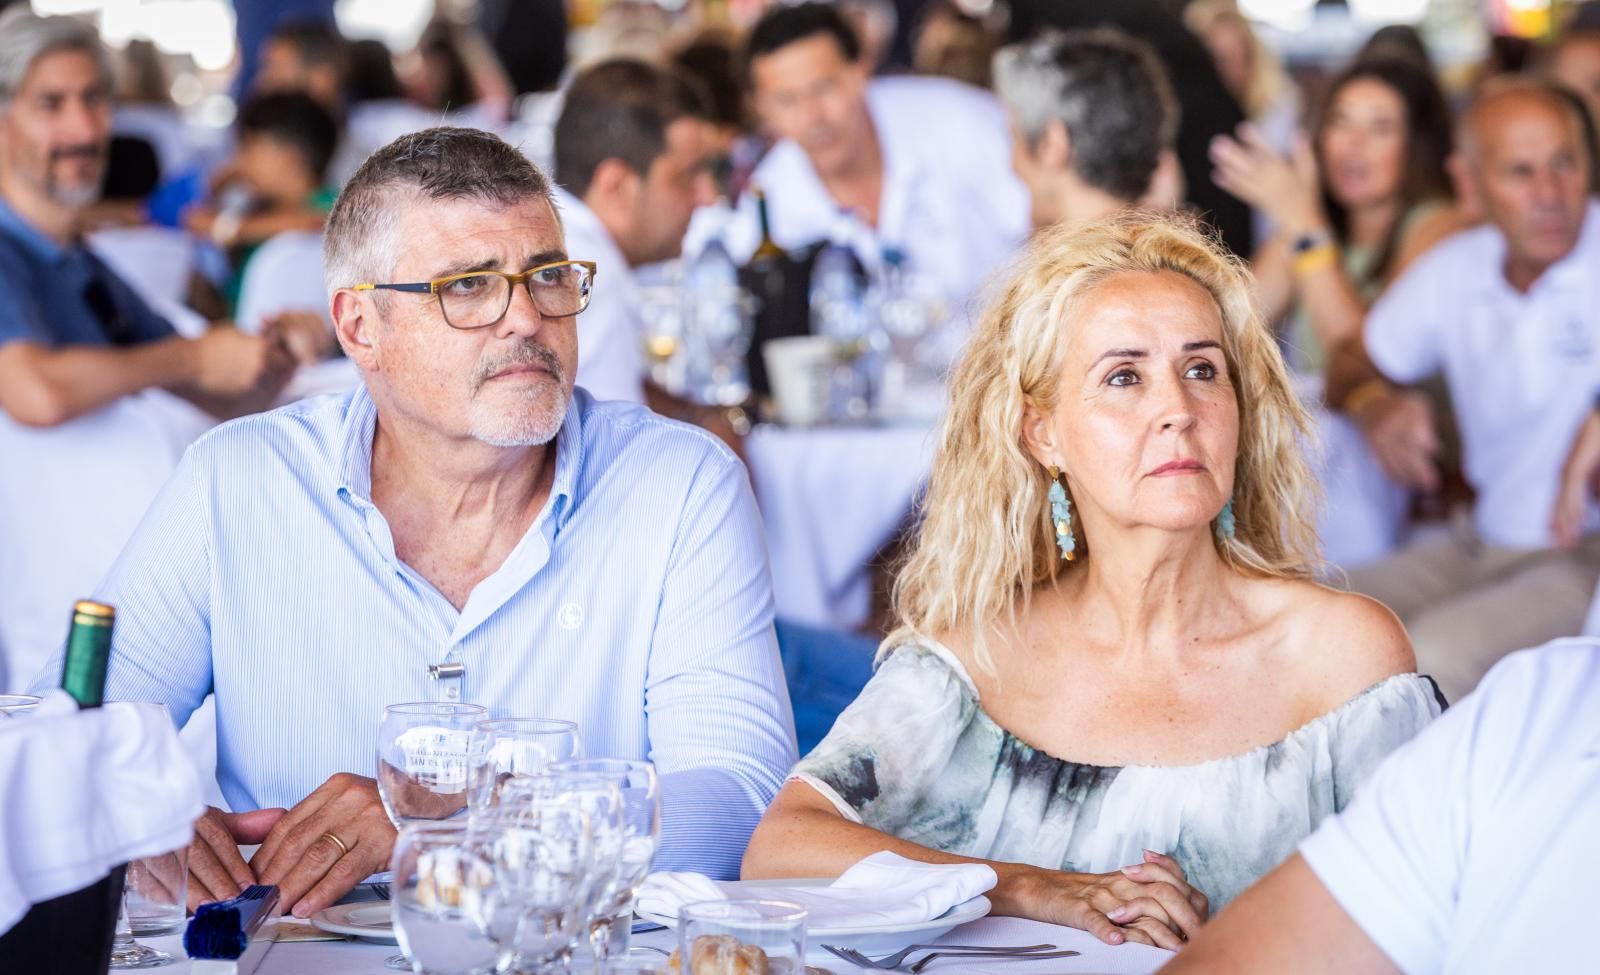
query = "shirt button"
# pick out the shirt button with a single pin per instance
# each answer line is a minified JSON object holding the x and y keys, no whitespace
{"x":452,"y":693}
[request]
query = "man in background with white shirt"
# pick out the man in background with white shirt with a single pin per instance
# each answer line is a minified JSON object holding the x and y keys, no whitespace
{"x":631,"y":150}
{"x":1510,"y":313}
{"x":1093,"y":118}
{"x":923,"y":163}
{"x":1472,"y":848}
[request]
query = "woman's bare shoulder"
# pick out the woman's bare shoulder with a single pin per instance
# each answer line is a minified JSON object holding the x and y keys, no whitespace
{"x":1346,"y":642}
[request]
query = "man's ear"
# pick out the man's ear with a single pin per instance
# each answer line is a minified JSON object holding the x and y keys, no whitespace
{"x":356,"y":326}
{"x":1468,"y":200}
{"x":1053,"y":149}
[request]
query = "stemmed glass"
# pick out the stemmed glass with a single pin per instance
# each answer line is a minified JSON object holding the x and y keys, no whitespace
{"x":507,"y":748}
{"x":640,"y":789}
{"x":544,"y":863}
{"x":445,"y":894}
{"x":422,"y":766}
{"x":126,"y":951}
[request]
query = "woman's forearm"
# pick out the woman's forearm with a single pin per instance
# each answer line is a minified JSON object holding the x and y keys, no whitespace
{"x":811,"y":842}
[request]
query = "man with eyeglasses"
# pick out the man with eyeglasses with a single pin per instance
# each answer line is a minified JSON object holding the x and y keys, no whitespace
{"x":464,"y":526}
{"x":73,"y":336}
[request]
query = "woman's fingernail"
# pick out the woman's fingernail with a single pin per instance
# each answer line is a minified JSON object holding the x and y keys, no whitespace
{"x":301,"y":910}
{"x":1121,"y":914}
{"x":1151,"y":856}
{"x":1133,"y":871}
{"x":1114,"y":937}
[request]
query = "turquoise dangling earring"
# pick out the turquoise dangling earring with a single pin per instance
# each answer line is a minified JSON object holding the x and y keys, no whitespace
{"x":1225,"y":521}
{"x":1061,"y":514}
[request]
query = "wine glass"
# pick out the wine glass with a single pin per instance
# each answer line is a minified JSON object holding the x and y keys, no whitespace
{"x":506,"y":748}
{"x":543,"y":852}
{"x":641,"y":835}
{"x":422,"y":759}
{"x":599,"y":797}
{"x":445,"y":893}
{"x":710,"y":931}
{"x":422,"y":766}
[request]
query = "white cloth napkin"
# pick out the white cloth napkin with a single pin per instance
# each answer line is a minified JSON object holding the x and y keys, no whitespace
{"x":82,"y":791}
{"x":883,"y":889}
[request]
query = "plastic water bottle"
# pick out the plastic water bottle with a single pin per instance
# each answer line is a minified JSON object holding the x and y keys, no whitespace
{"x":719,"y":325}
{"x":839,"y":312}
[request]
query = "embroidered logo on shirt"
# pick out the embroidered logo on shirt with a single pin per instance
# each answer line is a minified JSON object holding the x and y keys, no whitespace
{"x":570,"y":616}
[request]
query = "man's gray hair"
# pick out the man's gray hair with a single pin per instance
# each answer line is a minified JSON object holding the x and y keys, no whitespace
{"x":362,"y":242}
{"x":25,"y":37}
{"x":1111,"y":93}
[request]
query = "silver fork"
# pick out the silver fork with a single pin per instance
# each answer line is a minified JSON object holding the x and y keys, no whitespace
{"x":382,"y":890}
{"x":890,"y":963}
{"x":997,"y":956}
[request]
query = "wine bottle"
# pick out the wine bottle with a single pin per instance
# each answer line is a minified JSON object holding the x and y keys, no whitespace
{"x":768,"y":249}
{"x":72,"y":934}
{"x":83,"y":674}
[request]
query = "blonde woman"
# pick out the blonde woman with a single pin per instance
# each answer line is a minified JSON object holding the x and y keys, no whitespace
{"x":1133,"y":735}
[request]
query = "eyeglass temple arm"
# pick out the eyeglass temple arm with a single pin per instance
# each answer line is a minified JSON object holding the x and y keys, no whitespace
{"x":421,"y":287}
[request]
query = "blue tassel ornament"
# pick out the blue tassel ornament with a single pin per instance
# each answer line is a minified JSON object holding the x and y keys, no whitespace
{"x":1225,"y":520}
{"x":1061,"y":515}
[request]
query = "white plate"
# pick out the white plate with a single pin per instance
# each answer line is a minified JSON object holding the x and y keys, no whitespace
{"x":869,"y":938}
{"x":367,"y":920}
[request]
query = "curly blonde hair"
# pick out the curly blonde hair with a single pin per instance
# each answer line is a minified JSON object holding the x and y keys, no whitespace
{"x":987,"y":539}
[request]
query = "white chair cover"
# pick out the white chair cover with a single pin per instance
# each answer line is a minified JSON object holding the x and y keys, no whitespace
{"x":155,"y":261}
{"x":284,"y":274}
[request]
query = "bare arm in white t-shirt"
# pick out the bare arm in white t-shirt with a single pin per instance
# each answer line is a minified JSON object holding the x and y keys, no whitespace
{"x":1578,"y":478}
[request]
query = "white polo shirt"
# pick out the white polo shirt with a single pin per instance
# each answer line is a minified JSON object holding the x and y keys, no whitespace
{"x":1523,"y":369}
{"x":1473,"y":847}
{"x":951,"y":201}
{"x":610,"y":330}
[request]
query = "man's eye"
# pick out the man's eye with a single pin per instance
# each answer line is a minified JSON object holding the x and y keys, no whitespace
{"x":1122,"y":377}
{"x":463,"y":287}
{"x":553,"y":276}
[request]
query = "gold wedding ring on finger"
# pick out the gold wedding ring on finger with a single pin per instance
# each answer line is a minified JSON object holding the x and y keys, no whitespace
{"x":336,"y":842}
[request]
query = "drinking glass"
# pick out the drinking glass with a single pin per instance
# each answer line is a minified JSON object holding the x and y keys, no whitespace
{"x":422,"y":766}
{"x":17,"y":705}
{"x":641,"y":835}
{"x":711,"y":930}
{"x":506,"y":748}
{"x":445,"y":892}
{"x":609,"y":891}
{"x":422,"y":759}
{"x":661,"y":310}
{"x":156,"y":893}
{"x":543,"y":852}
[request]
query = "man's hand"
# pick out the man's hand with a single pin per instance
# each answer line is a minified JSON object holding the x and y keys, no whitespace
{"x":1577,"y":485}
{"x":311,"y":869}
{"x":216,"y":870}
{"x":304,"y":334}
{"x":229,"y":363}
{"x":1400,"y":428}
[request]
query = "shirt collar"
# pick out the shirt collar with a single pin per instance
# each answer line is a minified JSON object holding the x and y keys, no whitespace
{"x":40,"y":246}
{"x":361,"y":422}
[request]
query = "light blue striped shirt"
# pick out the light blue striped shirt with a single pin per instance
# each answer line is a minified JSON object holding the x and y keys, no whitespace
{"x":638,"y":605}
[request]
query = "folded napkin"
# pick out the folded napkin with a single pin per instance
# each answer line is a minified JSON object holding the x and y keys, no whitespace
{"x":883,"y":889}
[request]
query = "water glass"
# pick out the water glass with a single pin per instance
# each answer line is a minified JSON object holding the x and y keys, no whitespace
{"x":544,"y":858}
{"x":610,"y":890}
{"x":640,"y":789}
{"x":444,"y":895}
{"x":507,"y":748}
{"x":711,"y":934}
{"x":422,"y":759}
{"x":156,"y":893}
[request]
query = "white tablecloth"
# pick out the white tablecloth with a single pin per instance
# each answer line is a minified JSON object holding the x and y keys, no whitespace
{"x":831,"y":497}
{"x":355,"y":958}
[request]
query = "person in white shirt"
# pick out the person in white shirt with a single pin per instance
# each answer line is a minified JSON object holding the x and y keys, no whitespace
{"x":631,"y":151}
{"x":923,"y":163}
{"x":1510,"y":313}
{"x":1470,"y":850}
{"x":1094,"y":120}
